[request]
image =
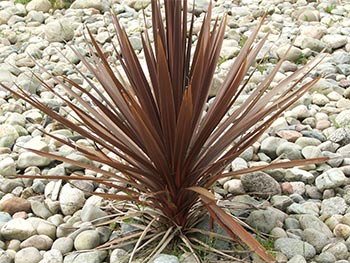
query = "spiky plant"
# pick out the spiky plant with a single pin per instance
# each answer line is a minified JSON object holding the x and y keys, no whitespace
{"x":150,"y":125}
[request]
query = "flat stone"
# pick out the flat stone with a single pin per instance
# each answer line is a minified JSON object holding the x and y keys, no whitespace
{"x":17,"y":228}
{"x":27,"y":253}
{"x":71,"y":199}
{"x":261,"y":184}
{"x":63,"y":244}
{"x":317,"y":239}
{"x":87,"y":240}
{"x":292,"y":247}
{"x":164,"y":258}
{"x":101,"y":5}
{"x":58,"y":31}
{"x":335,"y":40}
{"x":330,"y":179}
{"x":86,"y":257}
{"x":39,"y":5}
{"x":289,"y":150}
{"x":333,"y":206}
{"x":27,"y":159}
{"x":313,"y":222}
{"x":338,"y":249}
{"x":41,"y":242}
{"x":262,"y":220}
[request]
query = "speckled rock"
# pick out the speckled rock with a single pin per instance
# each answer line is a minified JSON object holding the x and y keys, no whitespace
{"x":291,"y":247}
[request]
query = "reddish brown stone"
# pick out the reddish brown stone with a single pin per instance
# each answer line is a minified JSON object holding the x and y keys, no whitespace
{"x":289,"y":135}
{"x":15,"y":204}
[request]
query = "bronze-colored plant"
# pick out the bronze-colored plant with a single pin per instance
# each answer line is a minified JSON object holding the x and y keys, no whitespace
{"x":151,"y":126}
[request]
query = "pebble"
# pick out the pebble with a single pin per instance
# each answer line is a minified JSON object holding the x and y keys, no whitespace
{"x":86,"y":257}
{"x":17,"y":228}
{"x":31,"y":253}
{"x":330,"y":179}
{"x":333,"y":206}
{"x":41,"y":242}
{"x":71,"y":199}
{"x":15,"y":204}
{"x":63,"y":244}
{"x":164,"y":258}
{"x":87,"y":240}
{"x":292,"y":247}
{"x":317,"y":239}
{"x":261,"y":184}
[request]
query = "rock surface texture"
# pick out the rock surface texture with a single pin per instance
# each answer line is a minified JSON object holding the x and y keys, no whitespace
{"x":304,"y":209}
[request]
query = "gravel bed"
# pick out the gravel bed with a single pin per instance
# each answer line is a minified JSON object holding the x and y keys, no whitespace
{"x":304,"y":209}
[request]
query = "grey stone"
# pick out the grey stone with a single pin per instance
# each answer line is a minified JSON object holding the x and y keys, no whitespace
{"x":332,"y":178}
{"x":307,"y":141}
{"x":234,"y":186}
{"x":315,"y":238}
{"x":76,"y":157}
{"x":7,"y":167}
{"x":64,"y":230}
{"x":289,"y":150}
{"x":164,"y":258}
{"x":313,"y":222}
{"x":261,"y":184}
{"x":17,"y":228}
{"x":91,"y":212}
{"x":118,"y":255}
{"x":27,"y":253}
{"x":325,"y":257}
{"x":46,"y":228}
{"x":309,"y":152}
{"x":41,"y":242}
{"x":344,"y":151}
{"x":343,"y":69}
{"x":87,"y":240}
{"x":340,"y":136}
{"x":71,"y":199}
{"x":341,"y":57}
{"x":281,"y":201}
{"x":63,"y":244}
{"x":312,"y":43}
{"x":52,"y":256}
{"x":297,"y":259}
{"x":6,"y":75}
{"x":338,"y":249}
{"x":28,"y":82}
{"x":293,"y":55}
{"x":333,"y":206}
{"x":40,"y":209}
{"x":58,"y":31}
{"x":291,"y":223}
{"x":269,"y":146}
{"x":262,"y":220}
{"x":39,"y":5}
{"x":86,"y":257}
{"x":343,"y":118}
{"x":297,"y":174}
{"x":335,"y":40}
{"x":309,"y":15}
{"x":27,"y":159}
{"x":102,"y":5}
{"x":291,"y":247}
{"x":5,"y":257}
{"x":8,"y":135}
{"x":310,"y":208}
{"x":5,"y":16}
{"x":36,"y":16}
